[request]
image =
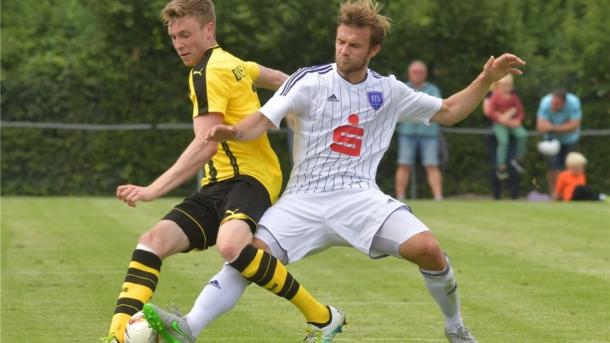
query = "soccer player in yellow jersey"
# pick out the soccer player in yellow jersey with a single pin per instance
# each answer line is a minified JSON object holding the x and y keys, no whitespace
{"x":242,"y":179}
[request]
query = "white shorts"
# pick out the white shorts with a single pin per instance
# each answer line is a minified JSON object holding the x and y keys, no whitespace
{"x":303,"y":224}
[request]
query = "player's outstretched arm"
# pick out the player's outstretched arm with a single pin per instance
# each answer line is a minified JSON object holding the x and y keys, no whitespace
{"x":461,"y":104}
{"x":270,"y":79}
{"x":196,"y":154}
{"x":252,"y":127}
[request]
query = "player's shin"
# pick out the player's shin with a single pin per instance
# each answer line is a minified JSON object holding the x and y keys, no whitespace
{"x":266,"y":271}
{"x":138,"y":288}
{"x":217,"y":297}
{"x":443,"y":288}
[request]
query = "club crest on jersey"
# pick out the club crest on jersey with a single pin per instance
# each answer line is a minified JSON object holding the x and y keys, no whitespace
{"x":375,"y":100}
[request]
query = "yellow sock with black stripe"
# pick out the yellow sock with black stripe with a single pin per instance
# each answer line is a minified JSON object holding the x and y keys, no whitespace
{"x":266,"y":271}
{"x":138,"y":288}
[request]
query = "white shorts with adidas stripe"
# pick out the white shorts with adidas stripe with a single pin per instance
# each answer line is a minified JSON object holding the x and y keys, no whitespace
{"x":303,"y":224}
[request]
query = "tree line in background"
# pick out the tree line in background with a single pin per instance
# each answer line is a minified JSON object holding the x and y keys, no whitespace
{"x":112,"y":62}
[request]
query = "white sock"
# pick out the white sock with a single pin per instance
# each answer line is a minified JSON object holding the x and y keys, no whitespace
{"x":443,"y":288}
{"x":145,"y":247}
{"x":217,"y":297}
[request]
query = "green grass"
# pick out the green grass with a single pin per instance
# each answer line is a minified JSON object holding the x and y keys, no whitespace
{"x":528,"y":272}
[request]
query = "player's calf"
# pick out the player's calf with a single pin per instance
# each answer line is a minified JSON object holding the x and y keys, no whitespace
{"x":138,"y":287}
{"x":423,"y":249}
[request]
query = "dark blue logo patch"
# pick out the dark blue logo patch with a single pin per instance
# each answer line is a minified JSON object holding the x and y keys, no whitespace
{"x":375,"y":100}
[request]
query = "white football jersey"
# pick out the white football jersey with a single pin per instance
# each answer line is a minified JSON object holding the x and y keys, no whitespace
{"x":341,"y":129}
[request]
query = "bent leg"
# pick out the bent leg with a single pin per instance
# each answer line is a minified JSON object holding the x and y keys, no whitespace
{"x":403,"y":235}
{"x":192,"y":224}
{"x":262,"y":268}
{"x":224,"y":290}
{"x":521,"y":136}
{"x":219,"y":295}
{"x":423,"y":250}
{"x":164,"y":239}
{"x":501,"y":133}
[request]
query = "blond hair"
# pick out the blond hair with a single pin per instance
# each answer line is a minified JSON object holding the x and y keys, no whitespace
{"x":575,"y":159}
{"x":202,"y":10}
{"x":365,"y":13}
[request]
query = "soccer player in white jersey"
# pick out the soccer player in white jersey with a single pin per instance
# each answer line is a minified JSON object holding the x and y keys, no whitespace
{"x":345,"y":117}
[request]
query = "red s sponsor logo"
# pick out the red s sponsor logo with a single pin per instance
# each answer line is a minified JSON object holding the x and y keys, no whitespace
{"x":347,"y":138}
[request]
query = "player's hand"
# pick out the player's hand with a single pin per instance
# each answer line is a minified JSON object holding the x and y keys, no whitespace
{"x":131,"y":194}
{"x":221,"y":133}
{"x":497,"y":68}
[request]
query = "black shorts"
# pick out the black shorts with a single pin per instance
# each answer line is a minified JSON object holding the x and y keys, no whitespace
{"x":200,"y":215}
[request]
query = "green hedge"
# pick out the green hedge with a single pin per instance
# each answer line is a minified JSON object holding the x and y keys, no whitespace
{"x":52,"y":162}
{"x":111,"y":62}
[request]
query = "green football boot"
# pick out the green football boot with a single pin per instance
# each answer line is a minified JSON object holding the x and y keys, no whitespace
{"x":171,"y":327}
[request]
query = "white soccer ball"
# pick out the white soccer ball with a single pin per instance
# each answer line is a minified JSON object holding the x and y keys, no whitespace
{"x":549,"y":148}
{"x":138,"y":330}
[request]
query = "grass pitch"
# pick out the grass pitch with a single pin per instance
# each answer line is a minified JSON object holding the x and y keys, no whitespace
{"x":528,"y":272}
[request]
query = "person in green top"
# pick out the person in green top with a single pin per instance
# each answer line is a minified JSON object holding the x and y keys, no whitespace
{"x":419,"y":139}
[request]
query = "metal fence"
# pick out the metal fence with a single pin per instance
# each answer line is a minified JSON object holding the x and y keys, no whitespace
{"x":189,"y":126}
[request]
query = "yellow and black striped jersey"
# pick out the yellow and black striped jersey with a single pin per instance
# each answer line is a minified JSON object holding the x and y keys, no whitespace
{"x":224,"y":83}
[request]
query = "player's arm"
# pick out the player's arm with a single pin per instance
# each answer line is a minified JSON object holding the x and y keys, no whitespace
{"x":268,"y":78}
{"x":458,"y":106}
{"x":250,"y":128}
{"x":286,"y":101}
{"x":196,"y":154}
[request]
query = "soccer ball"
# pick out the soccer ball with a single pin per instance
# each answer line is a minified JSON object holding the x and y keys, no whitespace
{"x":549,"y":148}
{"x":138,"y":330}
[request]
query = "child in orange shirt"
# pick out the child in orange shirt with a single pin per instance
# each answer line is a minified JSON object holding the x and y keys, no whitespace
{"x":571,"y":183}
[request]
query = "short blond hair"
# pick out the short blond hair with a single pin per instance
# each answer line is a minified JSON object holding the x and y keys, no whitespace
{"x":575,"y":159}
{"x":202,"y":10}
{"x":365,"y":13}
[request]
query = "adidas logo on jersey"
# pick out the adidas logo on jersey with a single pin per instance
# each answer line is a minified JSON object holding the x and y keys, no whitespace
{"x":333,"y":98}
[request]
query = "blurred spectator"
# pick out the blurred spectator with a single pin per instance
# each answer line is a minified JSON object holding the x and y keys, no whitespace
{"x":559,"y":116}
{"x":506,"y":112}
{"x":491,"y":145}
{"x":571,"y":183}
{"x":421,"y":140}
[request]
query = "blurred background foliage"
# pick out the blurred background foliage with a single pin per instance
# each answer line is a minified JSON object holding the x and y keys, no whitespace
{"x":111,"y":61}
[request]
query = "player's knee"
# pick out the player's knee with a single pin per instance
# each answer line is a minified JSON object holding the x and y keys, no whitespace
{"x":430,"y":249}
{"x":425,"y":252}
{"x":151,"y":239}
{"x":229,"y":250}
{"x":156,"y":240}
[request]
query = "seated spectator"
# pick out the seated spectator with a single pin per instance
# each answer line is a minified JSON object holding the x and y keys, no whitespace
{"x":506,"y":113}
{"x":491,"y":145}
{"x":559,"y":116}
{"x":571,"y":183}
